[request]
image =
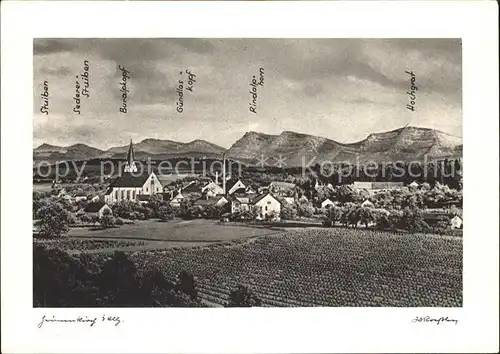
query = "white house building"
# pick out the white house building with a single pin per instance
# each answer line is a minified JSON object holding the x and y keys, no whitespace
{"x":177,"y":200}
{"x":240,"y":203}
{"x":267,"y":205}
{"x":233,"y":186}
{"x":326,"y":203}
{"x":97,"y":209}
{"x":131,"y":184}
{"x":212,"y":189}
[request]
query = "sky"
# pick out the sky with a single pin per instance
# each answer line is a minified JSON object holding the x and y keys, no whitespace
{"x":341,"y":89}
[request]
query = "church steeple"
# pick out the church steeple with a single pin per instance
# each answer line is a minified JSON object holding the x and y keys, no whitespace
{"x":130,"y":166}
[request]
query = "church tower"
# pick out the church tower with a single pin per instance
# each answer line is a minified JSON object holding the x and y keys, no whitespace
{"x":130,"y":166}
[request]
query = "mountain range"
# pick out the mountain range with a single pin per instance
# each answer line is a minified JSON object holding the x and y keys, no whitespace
{"x":404,"y":144}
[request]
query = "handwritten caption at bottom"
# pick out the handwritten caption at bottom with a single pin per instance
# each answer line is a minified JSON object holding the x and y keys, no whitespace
{"x":437,"y":321}
{"x":91,"y":321}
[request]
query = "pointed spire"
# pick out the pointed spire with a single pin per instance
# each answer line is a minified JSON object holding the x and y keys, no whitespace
{"x":130,"y":167}
{"x":130,"y":155}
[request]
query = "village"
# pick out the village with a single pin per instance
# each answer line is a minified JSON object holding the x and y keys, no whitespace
{"x":384,"y":205}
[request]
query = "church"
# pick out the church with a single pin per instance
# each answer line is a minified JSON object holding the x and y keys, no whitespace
{"x":132,"y":185}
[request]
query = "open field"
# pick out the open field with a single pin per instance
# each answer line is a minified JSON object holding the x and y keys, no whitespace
{"x":197,"y":230}
{"x":325,"y":267}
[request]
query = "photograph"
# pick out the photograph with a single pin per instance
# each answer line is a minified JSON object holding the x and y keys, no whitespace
{"x":247,"y":172}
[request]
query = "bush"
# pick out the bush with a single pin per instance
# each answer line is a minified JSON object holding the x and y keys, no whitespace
{"x":243,"y":297}
{"x":165,"y":213}
{"x":107,"y":220}
{"x":288,"y":212}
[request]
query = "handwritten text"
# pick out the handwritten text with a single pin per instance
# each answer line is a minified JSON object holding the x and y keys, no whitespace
{"x":45,"y":98}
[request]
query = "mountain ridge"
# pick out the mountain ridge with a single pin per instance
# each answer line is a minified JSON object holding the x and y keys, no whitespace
{"x":405,"y":143}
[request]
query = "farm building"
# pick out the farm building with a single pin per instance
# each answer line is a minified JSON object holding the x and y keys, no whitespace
{"x":240,"y":203}
{"x":80,"y":197}
{"x":233,"y":186}
{"x":327,"y":203}
{"x":97,"y":209}
{"x":215,"y":201}
{"x":212,"y":189}
{"x":289,"y":200}
{"x":176,"y":201}
{"x":130,"y":184}
{"x":266,"y":205}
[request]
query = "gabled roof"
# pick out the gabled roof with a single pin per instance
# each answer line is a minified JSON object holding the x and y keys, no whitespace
{"x":231,"y":183}
{"x":94,"y":207}
{"x":208,"y":201}
{"x":262,"y":196}
{"x":130,"y":180}
{"x":192,"y":188}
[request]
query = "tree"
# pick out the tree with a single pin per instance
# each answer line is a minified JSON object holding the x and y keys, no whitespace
{"x":243,"y":297}
{"x":165,"y":213}
{"x":305,"y":209}
{"x":186,"y":284}
{"x":107,"y":220}
{"x":117,"y":281}
{"x":345,"y":195}
{"x":412,"y":220}
{"x":288,"y":212}
{"x":333,"y":214}
{"x":365,"y":215}
{"x":54,"y":220}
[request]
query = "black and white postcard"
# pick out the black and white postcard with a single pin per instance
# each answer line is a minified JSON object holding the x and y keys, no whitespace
{"x":261,"y":172}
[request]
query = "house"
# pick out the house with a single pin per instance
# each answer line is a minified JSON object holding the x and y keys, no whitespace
{"x":97,"y":209}
{"x":80,"y":197}
{"x":212,"y":189}
{"x":327,"y":203}
{"x":192,"y":188}
{"x":95,"y":198}
{"x":62,"y":193}
{"x":278,"y":186}
{"x":211,"y":201}
{"x":176,"y":201}
{"x":456,"y":222}
{"x":413,"y":184}
{"x":233,"y":186}
{"x":267,"y":206}
{"x":367,"y":204}
{"x":289,"y":200}
{"x":132,"y":184}
{"x":240,"y":203}
{"x":250,"y":190}
{"x":379,"y":186}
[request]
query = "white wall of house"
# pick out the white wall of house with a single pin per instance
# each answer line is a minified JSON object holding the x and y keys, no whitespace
{"x":456,"y":222}
{"x":267,"y":205}
{"x":152,"y":185}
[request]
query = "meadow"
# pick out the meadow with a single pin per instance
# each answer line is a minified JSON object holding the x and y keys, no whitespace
{"x":197,"y":230}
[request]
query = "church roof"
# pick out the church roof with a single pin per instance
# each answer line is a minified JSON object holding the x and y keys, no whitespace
{"x":130,"y":180}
